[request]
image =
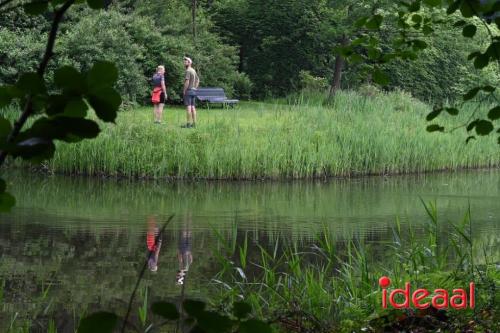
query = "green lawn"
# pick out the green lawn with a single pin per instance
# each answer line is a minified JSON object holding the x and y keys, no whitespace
{"x":357,"y":135}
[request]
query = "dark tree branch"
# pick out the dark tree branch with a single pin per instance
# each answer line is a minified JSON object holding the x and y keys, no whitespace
{"x":141,"y":274}
{"x":49,"y":52}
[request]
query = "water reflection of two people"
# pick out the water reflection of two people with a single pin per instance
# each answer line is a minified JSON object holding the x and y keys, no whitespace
{"x":184,"y":253}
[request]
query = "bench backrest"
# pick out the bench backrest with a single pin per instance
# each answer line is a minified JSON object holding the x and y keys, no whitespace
{"x":210,"y":92}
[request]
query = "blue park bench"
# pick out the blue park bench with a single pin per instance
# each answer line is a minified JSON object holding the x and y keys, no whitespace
{"x":214,"y":96}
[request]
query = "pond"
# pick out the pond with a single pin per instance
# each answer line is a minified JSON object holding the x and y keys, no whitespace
{"x":75,"y":244}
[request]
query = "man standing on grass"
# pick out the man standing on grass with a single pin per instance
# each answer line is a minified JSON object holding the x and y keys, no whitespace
{"x":191,"y":82}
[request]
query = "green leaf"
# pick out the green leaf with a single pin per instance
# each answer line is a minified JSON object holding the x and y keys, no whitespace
{"x":31,"y":83}
{"x":432,"y":3}
{"x":453,"y":7}
{"x":373,"y":53}
{"x":380,"y":77}
{"x":254,"y":326}
{"x":57,"y":104}
{"x":469,"y":138}
{"x":494,"y":113}
{"x":484,"y":127}
{"x":193,"y":308}
{"x":57,"y":2}
{"x":435,"y":128}
{"x":102,"y":74}
{"x":460,"y":23}
{"x":452,"y":111}
{"x":96,"y":4}
{"x":388,"y":57}
{"x":100,"y":322}
{"x":213,"y":322}
{"x":419,"y":44}
{"x":481,"y":61}
{"x":361,"y":22}
{"x":36,"y":7}
{"x":359,"y":41}
{"x":488,"y":88}
{"x":34,"y":149}
{"x":345,"y":51}
{"x":416,"y":18}
{"x":427,"y":30}
{"x":374,"y":22}
{"x":76,"y":108}
{"x":241,"y":310}
{"x":494,"y":50}
{"x":105,"y":102}
{"x":432,"y":115}
{"x":473,"y":55}
{"x":7,"y":201}
{"x":469,"y":30}
{"x":166,"y":310}
{"x":63,"y":128}
{"x":471,"y":93}
{"x":415,"y":6}
{"x":471,"y":125}
{"x":3,"y":185}
{"x":355,"y":58}
{"x":5,"y":128}
{"x":75,"y":128}
{"x":466,"y":9}
{"x":373,"y":41}
{"x":5,"y":96}
{"x":68,"y":78}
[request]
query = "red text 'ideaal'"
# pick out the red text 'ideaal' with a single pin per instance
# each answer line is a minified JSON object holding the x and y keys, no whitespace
{"x":440,"y":298}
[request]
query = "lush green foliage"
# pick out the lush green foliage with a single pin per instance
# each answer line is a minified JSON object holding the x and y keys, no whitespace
{"x":277,"y":40}
{"x":65,"y":109}
{"x":298,"y":138}
{"x":135,"y":37}
{"x":419,"y":19}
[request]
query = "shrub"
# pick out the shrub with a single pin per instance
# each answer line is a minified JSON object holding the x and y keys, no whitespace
{"x":308,"y":82}
{"x":368,"y":90}
{"x":242,"y":86}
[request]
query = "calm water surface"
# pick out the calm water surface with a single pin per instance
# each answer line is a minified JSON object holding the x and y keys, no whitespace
{"x":76,"y":244}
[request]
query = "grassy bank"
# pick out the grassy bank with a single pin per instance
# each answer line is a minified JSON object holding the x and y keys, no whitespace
{"x":357,"y":135}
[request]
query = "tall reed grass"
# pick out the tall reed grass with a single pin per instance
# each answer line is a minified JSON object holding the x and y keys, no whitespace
{"x":300,"y":137}
{"x":332,"y":288}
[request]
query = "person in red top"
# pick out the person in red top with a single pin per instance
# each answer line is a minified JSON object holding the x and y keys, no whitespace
{"x":159,"y":94}
{"x":153,"y":243}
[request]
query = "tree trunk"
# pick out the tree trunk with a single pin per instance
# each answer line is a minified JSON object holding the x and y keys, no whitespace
{"x":337,"y":74}
{"x":193,"y":14}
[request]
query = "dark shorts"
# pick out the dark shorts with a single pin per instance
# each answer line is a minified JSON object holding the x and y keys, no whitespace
{"x":190,"y":97}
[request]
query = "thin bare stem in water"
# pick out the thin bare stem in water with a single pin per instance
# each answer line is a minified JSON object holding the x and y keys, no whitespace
{"x":141,"y":274}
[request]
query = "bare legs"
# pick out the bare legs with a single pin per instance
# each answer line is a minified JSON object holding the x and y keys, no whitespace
{"x":191,"y":115}
{"x":158,"y":112}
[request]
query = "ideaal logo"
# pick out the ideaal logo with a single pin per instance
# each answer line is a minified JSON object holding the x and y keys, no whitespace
{"x":440,"y":298}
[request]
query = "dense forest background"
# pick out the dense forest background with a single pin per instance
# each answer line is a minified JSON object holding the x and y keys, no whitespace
{"x":251,"y":48}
